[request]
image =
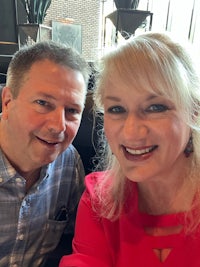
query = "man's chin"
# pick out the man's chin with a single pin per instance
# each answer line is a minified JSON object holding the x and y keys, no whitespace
{"x":48,"y":159}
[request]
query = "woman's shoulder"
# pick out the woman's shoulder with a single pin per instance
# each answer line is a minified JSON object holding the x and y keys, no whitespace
{"x":96,"y":180}
{"x":92,"y":181}
{"x":93,"y":178}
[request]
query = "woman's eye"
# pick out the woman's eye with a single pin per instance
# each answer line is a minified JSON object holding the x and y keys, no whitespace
{"x":116,"y":109}
{"x":157,"y":108}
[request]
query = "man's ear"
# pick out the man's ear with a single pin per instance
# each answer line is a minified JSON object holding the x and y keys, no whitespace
{"x":6,"y":99}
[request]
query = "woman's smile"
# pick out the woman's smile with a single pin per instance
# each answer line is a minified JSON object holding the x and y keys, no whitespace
{"x":143,"y":130}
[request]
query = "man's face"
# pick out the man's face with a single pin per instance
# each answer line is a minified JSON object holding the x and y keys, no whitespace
{"x":44,"y":118}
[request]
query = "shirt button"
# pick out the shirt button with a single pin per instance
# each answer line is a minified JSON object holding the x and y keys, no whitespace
{"x":1,"y":180}
{"x":18,"y":180}
{"x":21,"y":237}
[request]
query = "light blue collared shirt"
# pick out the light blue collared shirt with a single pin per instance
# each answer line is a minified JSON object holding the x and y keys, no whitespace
{"x":30,"y":224}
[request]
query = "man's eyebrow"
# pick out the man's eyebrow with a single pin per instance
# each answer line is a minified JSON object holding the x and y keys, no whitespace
{"x":46,"y":95}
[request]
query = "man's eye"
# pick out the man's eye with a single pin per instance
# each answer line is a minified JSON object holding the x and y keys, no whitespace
{"x":116,"y":109}
{"x":42,"y":102}
{"x":72,"y":111}
{"x":157,"y":108}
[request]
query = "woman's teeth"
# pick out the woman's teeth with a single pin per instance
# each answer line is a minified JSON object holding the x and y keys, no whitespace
{"x":140,"y":151}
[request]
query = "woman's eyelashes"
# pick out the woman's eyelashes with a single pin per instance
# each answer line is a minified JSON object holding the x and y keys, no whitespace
{"x":153,"y":108}
{"x":156,"y":108}
{"x":116,"y":109}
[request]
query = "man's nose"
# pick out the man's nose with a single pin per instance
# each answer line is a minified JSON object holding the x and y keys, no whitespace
{"x":57,"y":121}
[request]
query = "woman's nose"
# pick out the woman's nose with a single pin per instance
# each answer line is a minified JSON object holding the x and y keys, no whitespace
{"x":57,"y":121}
{"x":135,"y":127}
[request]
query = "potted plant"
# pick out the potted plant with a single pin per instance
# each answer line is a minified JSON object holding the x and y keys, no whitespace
{"x":35,"y":10}
{"x":127,"y":18}
{"x":131,"y":4}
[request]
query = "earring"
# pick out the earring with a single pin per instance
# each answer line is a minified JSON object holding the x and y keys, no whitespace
{"x":189,"y":148}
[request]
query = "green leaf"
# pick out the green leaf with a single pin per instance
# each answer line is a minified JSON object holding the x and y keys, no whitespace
{"x":36,"y":10}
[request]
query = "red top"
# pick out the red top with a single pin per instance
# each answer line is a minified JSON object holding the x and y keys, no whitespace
{"x":124,"y":243}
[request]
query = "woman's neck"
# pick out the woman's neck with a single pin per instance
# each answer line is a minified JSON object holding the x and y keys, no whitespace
{"x":165,"y":196}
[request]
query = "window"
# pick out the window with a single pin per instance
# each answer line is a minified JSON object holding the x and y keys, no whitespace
{"x":179,"y":17}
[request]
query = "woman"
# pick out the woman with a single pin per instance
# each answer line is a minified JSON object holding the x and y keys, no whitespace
{"x":144,"y":209}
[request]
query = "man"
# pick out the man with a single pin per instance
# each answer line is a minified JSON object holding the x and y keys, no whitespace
{"x":41,"y":174}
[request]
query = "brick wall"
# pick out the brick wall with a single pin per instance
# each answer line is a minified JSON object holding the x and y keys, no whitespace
{"x":85,"y":13}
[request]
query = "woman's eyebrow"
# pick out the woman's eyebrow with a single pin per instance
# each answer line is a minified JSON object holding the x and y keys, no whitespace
{"x":117,"y":99}
{"x":114,"y":98}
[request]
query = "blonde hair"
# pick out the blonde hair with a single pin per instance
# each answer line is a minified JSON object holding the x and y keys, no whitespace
{"x":154,"y":62}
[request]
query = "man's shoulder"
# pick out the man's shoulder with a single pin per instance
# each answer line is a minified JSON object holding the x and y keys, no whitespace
{"x":69,"y":158}
{"x":70,"y":149}
{"x":70,"y":153}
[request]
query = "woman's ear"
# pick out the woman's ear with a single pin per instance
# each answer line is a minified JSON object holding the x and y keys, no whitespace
{"x":195,"y":116}
{"x":6,"y":99}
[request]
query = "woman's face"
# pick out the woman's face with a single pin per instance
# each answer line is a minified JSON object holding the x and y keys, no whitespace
{"x":145,"y":131}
